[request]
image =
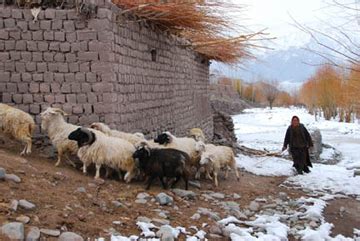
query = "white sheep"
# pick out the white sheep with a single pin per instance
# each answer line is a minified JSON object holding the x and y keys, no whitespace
{"x":132,"y":138}
{"x":216,"y":157}
{"x":100,"y":149}
{"x":17,"y":124}
{"x":188,"y":145}
{"x":58,"y":130}
{"x":197,"y":134}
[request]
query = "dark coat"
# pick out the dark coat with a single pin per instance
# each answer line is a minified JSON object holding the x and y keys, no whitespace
{"x":289,"y":140}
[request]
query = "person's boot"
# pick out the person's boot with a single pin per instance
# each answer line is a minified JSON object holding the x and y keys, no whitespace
{"x":306,"y":169}
{"x":299,"y":171}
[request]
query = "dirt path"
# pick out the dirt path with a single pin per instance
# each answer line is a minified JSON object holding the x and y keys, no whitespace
{"x":91,"y":213}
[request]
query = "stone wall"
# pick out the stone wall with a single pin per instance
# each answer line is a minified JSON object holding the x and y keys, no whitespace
{"x":109,"y":69}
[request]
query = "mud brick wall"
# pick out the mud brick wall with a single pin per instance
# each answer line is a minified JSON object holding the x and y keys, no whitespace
{"x":109,"y":69}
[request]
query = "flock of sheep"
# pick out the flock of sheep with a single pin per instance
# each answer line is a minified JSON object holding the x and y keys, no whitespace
{"x":166,"y":157}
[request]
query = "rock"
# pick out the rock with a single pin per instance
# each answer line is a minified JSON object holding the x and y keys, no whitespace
{"x":195,"y":184}
{"x":357,"y":172}
{"x":26,"y":204}
{"x":12,"y":177}
{"x":217,"y":195}
{"x":236,"y":196}
{"x":283,"y":196}
{"x":270,"y":206}
{"x":207,"y":196}
{"x":69,"y":236}
{"x":23,"y":219}
{"x":33,"y":234}
{"x":313,"y":224}
{"x":215,"y":237}
{"x":14,"y":231}
{"x":117,"y":222}
{"x":248,"y":212}
{"x":215,"y":229}
{"x":165,"y":233}
{"x":184,"y":193}
{"x":13,"y":205}
{"x":206,"y":212}
{"x":317,"y":141}
{"x":162,"y":215}
{"x":81,"y":190}
{"x":143,"y":195}
{"x":2,"y":173}
{"x":143,"y":219}
{"x":254,"y":206}
{"x":196,"y":216}
{"x":50,"y":232}
{"x":118,"y":204}
{"x":141,"y":201}
{"x":161,"y":221}
{"x":237,"y":214}
{"x":230,"y":205}
{"x":164,"y":199}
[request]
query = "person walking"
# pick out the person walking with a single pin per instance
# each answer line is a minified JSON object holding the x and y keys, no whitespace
{"x":299,"y":141}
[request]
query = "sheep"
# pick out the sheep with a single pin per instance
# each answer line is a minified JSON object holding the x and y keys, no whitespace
{"x":155,"y":162}
{"x":52,"y":121}
{"x":188,"y":145}
{"x":132,"y":138}
{"x":17,"y":124}
{"x":100,"y":149}
{"x":197,"y":134}
{"x":216,"y":157}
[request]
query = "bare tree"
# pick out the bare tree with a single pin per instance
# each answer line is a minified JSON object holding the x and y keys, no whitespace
{"x":270,"y":91}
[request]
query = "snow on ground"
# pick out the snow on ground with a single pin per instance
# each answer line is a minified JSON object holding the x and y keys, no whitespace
{"x":265,"y":129}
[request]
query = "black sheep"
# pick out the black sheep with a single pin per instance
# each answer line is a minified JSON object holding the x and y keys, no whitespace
{"x":161,"y":163}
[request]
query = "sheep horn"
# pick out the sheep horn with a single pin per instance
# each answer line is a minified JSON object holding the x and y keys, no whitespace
{"x":58,"y":110}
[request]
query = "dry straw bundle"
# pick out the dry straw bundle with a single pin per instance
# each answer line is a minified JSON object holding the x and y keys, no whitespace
{"x":202,"y":22}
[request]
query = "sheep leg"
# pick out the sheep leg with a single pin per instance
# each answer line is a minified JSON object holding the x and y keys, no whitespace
{"x":151,"y":178}
{"x":59,"y":157}
{"x":84,"y":168}
{"x":226,"y":173}
{"x":163,"y":182}
{"x":120,"y":174}
{"x":70,"y":161}
{"x":129,"y":175}
{"x":237,"y":174}
{"x":208,"y":176}
{"x":197,"y":175}
{"x":23,"y":151}
{"x":28,"y":146}
{"x":176,"y":181}
{"x":216,"y":179}
{"x":186,"y":181}
{"x":98,"y":167}
{"x":108,"y":171}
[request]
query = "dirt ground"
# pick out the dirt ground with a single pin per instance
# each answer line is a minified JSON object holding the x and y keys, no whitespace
{"x":91,"y":214}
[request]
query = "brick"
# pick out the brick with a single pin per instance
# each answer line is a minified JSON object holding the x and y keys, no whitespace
{"x":74,"y":119}
{"x":75,"y":47}
{"x":98,"y":24}
{"x":30,"y":66}
{"x":16,"y":13}
{"x":15,"y":77}
{"x":81,"y":98}
{"x":59,"y":36}
{"x":41,"y":67}
{"x":60,"y":98}
{"x":6,"y":98}
{"x":56,"y":24}
{"x":85,"y":87}
{"x":80,"y":25}
{"x":23,"y":87}
{"x":17,"y":98}
{"x":11,"y":87}
{"x":80,"y":77}
{"x":99,"y":67}
{"x":87,"y":108}
{"x":87,"y":56}
{"x":45,"y":24}
{"x":55,"y":87}
{"x":9,"y":66}
{"x":67,"y":107}
{"x":84,"y":46}
{"x":106,"y":36}
{"x":10,"y":45}
{"x":102,"y":87}
{"x":54,"y":46}
{"x":70,"y":37}
{"x":52,"y":67}
{"x":75,"y":87}
{"x":1,"y":23}
{"x":91,"y":77}
{"x":31,"y":46}
{"x":85,"y":67}
{"x":4,"y":56}
{"x":92,"y":98}
{"x":28,"y":16}
{"x":5,"y":13}
{"x":2,"y":89}
{"x":34,"y":109}
{"x":37,"y":56}
{"x":86,"y":35}
{"x":48,"y":77}
{"x":26,"y":56}
{"x":23,"y":25}
{"x":70,"y":57}
{"x":71,"y":98}
{"x":106,"y":56}
{"x":34,"y":25}
{"x":48,"y":35}
{"x":9,"y":23}
{"x":4,"y":34}
{"x":49,"y":13}
{"x":15,"y":55}
{"x":15,"y":35}
{"x":61,"y":14}
{"x":99,"y":46}
{"x":26,"y":77}
{"x":73,"y":67}
{"x":63,"y":67}
{"x":65,"y":47}
{"x":44,"y":87}
{"x":77,"y":109}
{"x":48,"y":56}
{"x":26,"y":35}
{"x":38,"y":35}
{"x":38,"y":77}
{"x":27,"y":99}
{"x":72,"y":14}
{"x":20,"y":45}
{"x":59,"y":57}
{"x":49,"y":99}
{"x":69,"y":26}
{"x":104,"y":13}
{"x":59,"y":77}
{"x":43,"y":46}
{"x":20,"y":67}
{"x":69,"y":77}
